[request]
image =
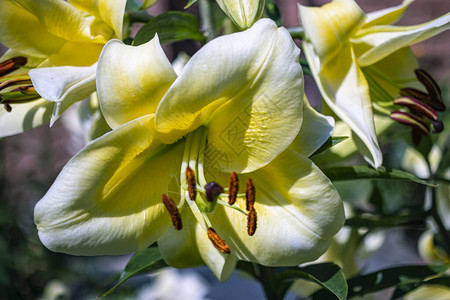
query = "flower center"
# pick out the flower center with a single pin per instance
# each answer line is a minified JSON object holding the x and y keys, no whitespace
{"x":18,"y":88}
{"x":196,"y":190}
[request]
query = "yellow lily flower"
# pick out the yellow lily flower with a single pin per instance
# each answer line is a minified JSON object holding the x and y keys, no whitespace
{"x":361,"y":61}
{"x":235,"y":108}
{"x":62,"y":42}
{"x":243,"y":13}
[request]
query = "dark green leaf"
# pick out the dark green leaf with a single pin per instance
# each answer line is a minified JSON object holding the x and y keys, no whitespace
{"x":332,"y":141}
{"x":147,"y":260}
{"x":171,"y":27}
{"x":273,"y":12}
{"x":371,"y":222}
{"x":386,"y":278}
{"x":365,"y":172}
{"x":190,"y":3}
{"x":133,"y":5}
{"x":327,"y":275}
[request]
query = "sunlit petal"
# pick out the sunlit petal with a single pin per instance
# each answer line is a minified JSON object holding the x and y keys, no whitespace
{"x":387,"y":16}
{"x":377,"y":42}
{"x":247,"y":88}
{"x":132,"y":80}
{"x":107,"y":199}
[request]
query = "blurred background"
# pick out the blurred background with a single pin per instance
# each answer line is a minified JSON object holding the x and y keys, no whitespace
{"x":30,"y":162}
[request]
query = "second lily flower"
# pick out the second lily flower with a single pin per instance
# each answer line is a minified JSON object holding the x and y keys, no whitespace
{"x":237,"y":107}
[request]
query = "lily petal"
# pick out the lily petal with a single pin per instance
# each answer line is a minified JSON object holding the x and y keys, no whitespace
{"x":296,"y":219}
{"x":190,"y":247}
{"x":316,"y":129}
{"x":345,"y":89}
{"x":330,"y":26}
{"x":375,"y":43}
{"x":387,"y":16}
{"x":25,"y":116}
{"x":132,"y":80}
{"x":31,"y":37}
{"x":111,"y":12}
{"x":107,"y":199}
{"x":255,"y":79}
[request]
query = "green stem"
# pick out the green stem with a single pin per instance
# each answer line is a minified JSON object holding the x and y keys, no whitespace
{"x":266,"y":276}
{"x":443,"y":234}
{"x":297,"y":32}
{"x":138,"y":16}
{"x":207,"y":19}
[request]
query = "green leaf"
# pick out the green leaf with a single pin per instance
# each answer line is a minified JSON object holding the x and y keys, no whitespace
{"x":190,"y":3}
{"x":146,"y":260}
{"x":371,"y":222}
{"x":171,"y":27}
{"x":332,"y":141}
{"x":327,"y":275}
{"x":273,"y":12}
{"x":365,"y":172}
{"x":386,"y":278}
{"x":402,"y":290}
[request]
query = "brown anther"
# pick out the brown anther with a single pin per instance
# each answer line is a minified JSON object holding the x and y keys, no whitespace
{"x":173,"y":212}
{"x":15,"y":81}
{"x":7,"y":107}
{"x":12,"y":64}
{"x":251,"y":221}
{"x":217,"y":241}
{"x":191,"y":183}
{"x":233,"y":188}
{"x":250,"y":194}
{"x":28,"y":90}
{"x":429,"y":83}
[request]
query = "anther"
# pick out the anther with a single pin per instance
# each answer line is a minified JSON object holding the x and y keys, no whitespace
{"x":213,"y":190}
{"x":7,"y":107}
{"x":217,"y":241}
{"x":429,"y":83}
{"x":12,"y":64}
{"x":418,"y":107}
{"x":233,"y":188}
{"x":173,"y":212}
{"x":438,"y":126}
{"x":251,"y":221}
{"x":250,"y":194}
{"x":191,"y":183}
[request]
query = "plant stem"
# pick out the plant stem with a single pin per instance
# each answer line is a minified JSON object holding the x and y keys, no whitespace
{"x":207,"y":19}
{"x":266,"y":276}
{"x":297,"y":32}
{"x":443,"y":234}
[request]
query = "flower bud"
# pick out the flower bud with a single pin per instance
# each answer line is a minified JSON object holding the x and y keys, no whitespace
{"x":242,"y":12}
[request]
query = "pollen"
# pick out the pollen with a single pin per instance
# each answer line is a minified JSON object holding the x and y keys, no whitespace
{"x":191,"y":183}
{"x":250,"y":194}
{"x":251,"y":221}
{"x":233,"y":188}
{"x":173,"y":212}
{"x":218,"y":242}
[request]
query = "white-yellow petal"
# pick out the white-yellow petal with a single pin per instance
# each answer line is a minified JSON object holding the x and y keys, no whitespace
{"x":344,"y":87}
{"x":316,"y":129}
{"x":107,"y":199}
{"x":247,"y":88}
{"x":132,"y":80}
{"x":298,"y":212}
{"x":377,"y":42}
{"x":25,"y":116}
{"x":331,"y":26}
{"x":387,"y":16}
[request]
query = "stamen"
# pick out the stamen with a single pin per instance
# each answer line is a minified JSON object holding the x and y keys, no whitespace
{"x":12,"y":64}
{"x":429,"y":83}
{"x":251,"y":222}
{"x":418,"y":107}
{"x":173,"y":212}
{"x":213,"y":190}
{"x":411,"y":120}
{"x":233,"y":188}
{"x":19,"y":80}
{"x":191,"y":183}
{"x":250,"y":194}
{"x":7,"y":107}
{"x":217,"y":241}
{"x":438,"y":126}
{"x":431,"y":101}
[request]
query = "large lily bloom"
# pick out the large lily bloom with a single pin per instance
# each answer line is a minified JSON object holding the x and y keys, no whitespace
{"x":236,"y":108}
{"x":61,"y":42}
{"x":361,"y":61}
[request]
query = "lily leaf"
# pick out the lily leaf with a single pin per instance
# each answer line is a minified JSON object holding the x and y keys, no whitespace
{"x":387,"y":221}
{"x":386,"y":278}
{"x":365,"y":172}
{"x":190,"y":3}
{"x":171,"y":27}
{"x":327,"y":275}
{"x":146,"y":260}
{"x":332,"y":141}
{"x":404,"y":289}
